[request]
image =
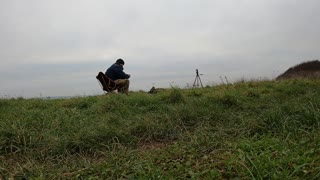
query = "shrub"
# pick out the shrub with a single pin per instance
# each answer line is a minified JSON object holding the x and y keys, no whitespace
{"x":176,"y":96}
{"x":229,"y":100}
{"x":253,"y":94}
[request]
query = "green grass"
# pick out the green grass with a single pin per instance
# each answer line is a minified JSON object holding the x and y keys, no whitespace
{"x":247,"y":130}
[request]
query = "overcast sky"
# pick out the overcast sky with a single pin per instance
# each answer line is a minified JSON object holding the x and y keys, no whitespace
{"x":57,"y":47}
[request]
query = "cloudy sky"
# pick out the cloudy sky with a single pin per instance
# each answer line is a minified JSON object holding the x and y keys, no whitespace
{"x":56,"y":47}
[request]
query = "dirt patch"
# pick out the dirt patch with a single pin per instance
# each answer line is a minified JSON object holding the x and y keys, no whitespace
{"x":151,"y":145}
{"x":309,"y":69}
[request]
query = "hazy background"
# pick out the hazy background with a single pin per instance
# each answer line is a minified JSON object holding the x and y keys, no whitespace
{"x":56,"y":47}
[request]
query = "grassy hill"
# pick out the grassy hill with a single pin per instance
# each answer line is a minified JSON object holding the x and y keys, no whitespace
{"x":309,"y":69}
{"x":248,"y":130}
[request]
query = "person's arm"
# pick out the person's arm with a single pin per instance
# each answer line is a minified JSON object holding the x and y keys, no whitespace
{"x":121,"y":74}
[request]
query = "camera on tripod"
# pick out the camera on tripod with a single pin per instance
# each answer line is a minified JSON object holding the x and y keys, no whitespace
{"x":197,"y":81}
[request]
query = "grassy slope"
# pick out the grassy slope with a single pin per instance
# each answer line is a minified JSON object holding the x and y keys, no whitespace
{"x":246,"y":130}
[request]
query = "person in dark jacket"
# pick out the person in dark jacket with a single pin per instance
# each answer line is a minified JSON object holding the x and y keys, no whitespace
{"x":115,"y":72}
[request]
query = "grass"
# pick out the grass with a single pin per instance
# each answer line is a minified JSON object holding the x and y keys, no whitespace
{"x":247,"y":130}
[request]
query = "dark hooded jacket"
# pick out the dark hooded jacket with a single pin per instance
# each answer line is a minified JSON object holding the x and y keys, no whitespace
{"x":115,"y":72}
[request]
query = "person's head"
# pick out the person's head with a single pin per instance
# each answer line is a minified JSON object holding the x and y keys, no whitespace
{"x":120,"y":62}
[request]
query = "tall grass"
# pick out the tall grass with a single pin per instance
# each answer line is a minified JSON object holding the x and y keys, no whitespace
{"x":250,"y":130}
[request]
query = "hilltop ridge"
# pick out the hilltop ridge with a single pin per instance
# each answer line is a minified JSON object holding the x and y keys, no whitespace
{"x":309,"y":69}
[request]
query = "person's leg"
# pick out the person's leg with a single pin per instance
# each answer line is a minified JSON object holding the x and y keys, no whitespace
{"x":124,"y":85}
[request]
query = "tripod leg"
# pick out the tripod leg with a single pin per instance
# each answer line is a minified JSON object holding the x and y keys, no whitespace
{"x":197,"y":81}
{"x":200,"y":82}
{"x":194,"y":83}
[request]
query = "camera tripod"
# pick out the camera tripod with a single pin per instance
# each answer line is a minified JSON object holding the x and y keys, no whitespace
{"x":197,"y":80}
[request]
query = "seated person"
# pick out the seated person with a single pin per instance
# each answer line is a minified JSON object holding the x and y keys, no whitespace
{"x":115,"y":72}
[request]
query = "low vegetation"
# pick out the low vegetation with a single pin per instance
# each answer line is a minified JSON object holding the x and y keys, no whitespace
{"x":308,"y":69}
{"x":247,"y":130}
